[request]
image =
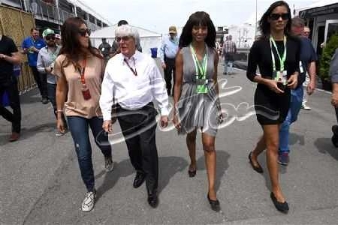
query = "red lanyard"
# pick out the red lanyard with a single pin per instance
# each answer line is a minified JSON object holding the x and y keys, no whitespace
{"x":132,"y":70}
{"x":83,"y":81}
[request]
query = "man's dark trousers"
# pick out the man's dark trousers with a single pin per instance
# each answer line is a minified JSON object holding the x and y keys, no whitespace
{"x":139,"y":129}
{"x":41,"y":81}
{"x":11,"y":87}
{"x":169,"y":72}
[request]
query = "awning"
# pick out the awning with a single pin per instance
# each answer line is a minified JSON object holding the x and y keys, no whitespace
{"x":318,"y":11}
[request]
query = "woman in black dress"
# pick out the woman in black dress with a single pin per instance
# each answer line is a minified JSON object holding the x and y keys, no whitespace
{"x":276,"y":53}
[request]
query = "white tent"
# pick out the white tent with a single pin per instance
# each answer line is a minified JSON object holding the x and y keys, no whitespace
{"x":149,"y":39}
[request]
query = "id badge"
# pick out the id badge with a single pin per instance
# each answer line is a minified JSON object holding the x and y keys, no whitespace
{"x":281,"y":76}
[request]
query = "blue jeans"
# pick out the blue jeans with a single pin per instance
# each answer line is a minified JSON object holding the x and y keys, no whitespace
{"x":227,"y":64}
{"x":295,"y":106}
{"x":78,"y":127}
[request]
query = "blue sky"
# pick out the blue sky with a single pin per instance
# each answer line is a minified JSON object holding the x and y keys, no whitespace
{"x":158,"y":15}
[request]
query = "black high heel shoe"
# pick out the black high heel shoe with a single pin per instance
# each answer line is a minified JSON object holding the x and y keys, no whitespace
{"x":192,"y":173}
{"x":214,"y":204}
{"x":257,"y":168}
{"x":280,"y":206}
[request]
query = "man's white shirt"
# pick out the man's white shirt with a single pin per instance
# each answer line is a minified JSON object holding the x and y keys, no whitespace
{"x":132,"y":91}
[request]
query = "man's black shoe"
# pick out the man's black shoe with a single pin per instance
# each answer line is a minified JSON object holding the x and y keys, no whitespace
{"x":139,"y":179}
{"x":153,"y":200}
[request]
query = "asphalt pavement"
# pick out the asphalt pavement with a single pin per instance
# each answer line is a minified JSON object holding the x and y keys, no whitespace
{"x":41,"y":184}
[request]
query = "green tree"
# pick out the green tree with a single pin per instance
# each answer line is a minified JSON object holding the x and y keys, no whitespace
{"x":327,"y":54}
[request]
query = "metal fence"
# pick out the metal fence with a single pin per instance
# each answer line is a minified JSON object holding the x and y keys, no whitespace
{"x":50,"y":12}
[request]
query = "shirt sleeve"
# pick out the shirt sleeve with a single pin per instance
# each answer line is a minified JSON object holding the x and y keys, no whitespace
{"x":313,"y":52}
{"x":254,"y":56}
{"x":57,"y":70}
{"x":334,"y":68}
{"x":39,"y":64}
{"x":12,"y":46}
{"x":296,"y":64}
{"x":162,"y":51}
{"x":107,"y":94}
{"x":158,"y":89}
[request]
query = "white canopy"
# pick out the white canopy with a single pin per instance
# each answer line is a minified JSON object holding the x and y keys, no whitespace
{"x":148,"y":39}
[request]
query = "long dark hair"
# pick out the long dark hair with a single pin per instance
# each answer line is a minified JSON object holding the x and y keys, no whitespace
{"x":264,"y":24}
{"x":71,"y":46}
{"x":197,"y":19}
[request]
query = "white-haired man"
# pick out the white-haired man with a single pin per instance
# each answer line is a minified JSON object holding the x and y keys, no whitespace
{"x":132,"y":80}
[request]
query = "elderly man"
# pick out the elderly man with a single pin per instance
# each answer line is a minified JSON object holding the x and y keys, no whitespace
{"x":229,"y":51}
{"x":132,"y":80}
{"x":168,"y":53}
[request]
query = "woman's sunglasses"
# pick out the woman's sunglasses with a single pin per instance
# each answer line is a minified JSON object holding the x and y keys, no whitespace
{"x":83,"y":32}
{"x":124,"y":38}
{"x":50,"y":38}
{"x":275,"y":16}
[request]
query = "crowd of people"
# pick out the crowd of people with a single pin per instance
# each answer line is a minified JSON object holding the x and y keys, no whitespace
{"x":82,"y":85}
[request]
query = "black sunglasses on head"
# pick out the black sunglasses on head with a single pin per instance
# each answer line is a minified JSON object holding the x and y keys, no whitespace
{"x":83,"y":32}
{"x":50,"y":38}
{"x":275,"y":16}
{"x":124,"y":38}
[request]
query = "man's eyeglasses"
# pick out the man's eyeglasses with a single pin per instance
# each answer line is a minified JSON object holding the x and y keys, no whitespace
{"x":275,"y":16}
{"x":83,"y":32}
{"x":124,"y":38}
{"x":50,"y":38}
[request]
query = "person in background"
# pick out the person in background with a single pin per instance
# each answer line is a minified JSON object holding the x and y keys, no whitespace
{"x":80,"y":68}
{"x":132,"y":80}
{"x":168,"y":53}
{"x":115,"y":49}
{"x":276,"y":54}
{"x":306,"y":84}
{"x":104,"y":48}
{"x":333,"y":72}
{"x":196,"y":102}
{"x":307,"y":65}
{"x":9,"y":56}
{"x":229,"y":51}
{"x":45,"y":65}
{"x":58,"y":40}
{"x":31,"y":46}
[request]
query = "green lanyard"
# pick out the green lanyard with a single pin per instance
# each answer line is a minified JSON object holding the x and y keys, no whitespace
{"x":201,"y":71}
{"x":281,"y":60}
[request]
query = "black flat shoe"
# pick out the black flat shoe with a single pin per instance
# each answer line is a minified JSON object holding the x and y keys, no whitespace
{"x":280,"y":206}
{"x":258,"y":168}
{"x":139,"y":179}
{"x":153,"y":200}
{"x":214,"y":204}
{"x":192,"y":173}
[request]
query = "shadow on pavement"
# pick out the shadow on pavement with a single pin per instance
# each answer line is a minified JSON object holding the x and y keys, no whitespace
{"x":27,"y":133}
{"x":31,"y":96}
{"x":168,"y":167}
{"x":121,"y":169}
{"x":324,"y":145}
{"x":295,"y":138}
{"x":222,"y":165}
